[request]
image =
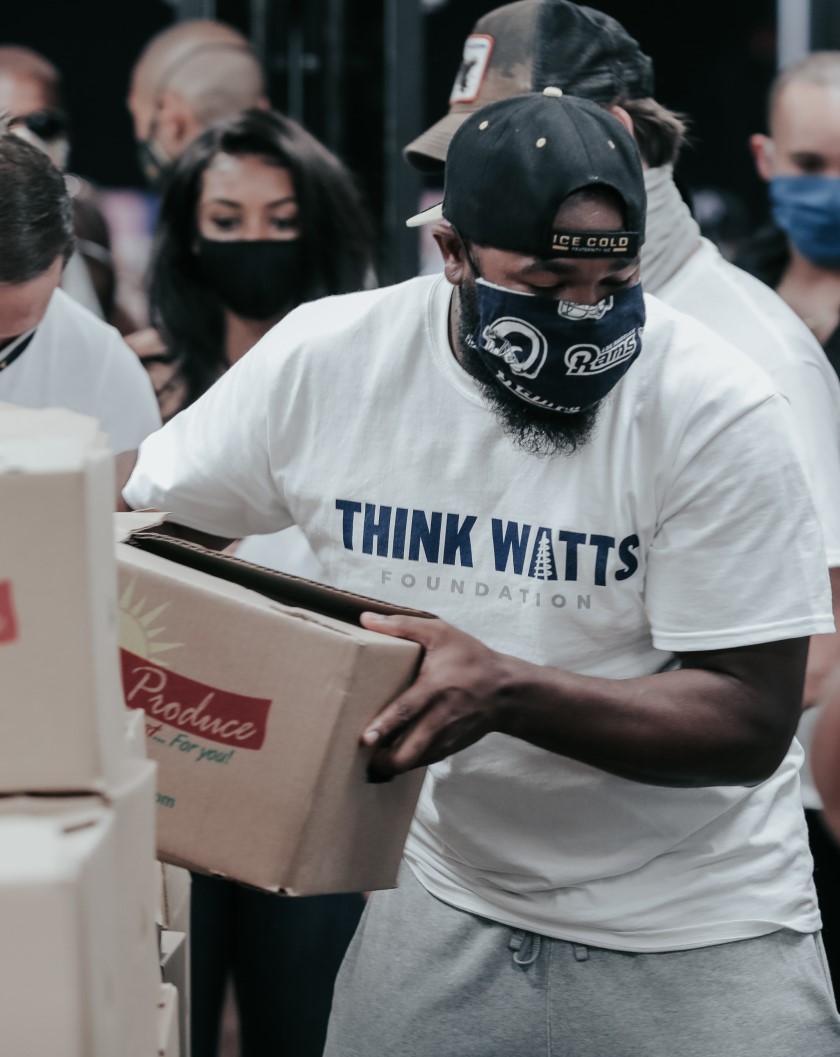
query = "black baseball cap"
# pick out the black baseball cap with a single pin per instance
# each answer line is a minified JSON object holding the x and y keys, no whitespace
{"x":527,"y":46}
{"x":511,"y":164}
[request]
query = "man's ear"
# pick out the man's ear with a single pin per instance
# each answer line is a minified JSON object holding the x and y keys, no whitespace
{"x":177,"y":126}
{"x":621,"y":114}
{"x":763,"y":151}
{"x":456,"y":267}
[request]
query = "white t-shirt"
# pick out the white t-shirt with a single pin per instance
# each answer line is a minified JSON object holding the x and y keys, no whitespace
{"x":758,"y":322}
{"x":79,"y":362}
{"x":684,"y":524}
{"x":287,"y":550}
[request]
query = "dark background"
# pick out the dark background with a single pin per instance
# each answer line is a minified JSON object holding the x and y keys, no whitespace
{"x":327,"y":65}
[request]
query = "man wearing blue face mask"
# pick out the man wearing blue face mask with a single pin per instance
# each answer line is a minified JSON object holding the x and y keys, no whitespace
{"x":800,"y":257}
{"x":609,"y":855}
{"x":800,"y":160}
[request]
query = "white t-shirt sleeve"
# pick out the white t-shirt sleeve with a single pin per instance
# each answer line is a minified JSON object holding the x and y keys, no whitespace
{"x":815,"y":401}
{"x":737,"y":533}
{"x":128,"y":407}
{"x":211,"y":465}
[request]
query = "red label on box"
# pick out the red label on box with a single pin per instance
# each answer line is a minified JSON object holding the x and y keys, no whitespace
{"x":8,"y":619}
{"x":206,"y":711}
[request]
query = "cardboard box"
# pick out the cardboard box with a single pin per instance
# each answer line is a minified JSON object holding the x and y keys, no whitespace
{"x":256,"y":687}
{"x":175,"y":968}
{"x":58,"y":956}
{"x":174,"y":887}
{"x":167,"y":1022}
{"x":132,"y":799}
{"x":59,"y":672}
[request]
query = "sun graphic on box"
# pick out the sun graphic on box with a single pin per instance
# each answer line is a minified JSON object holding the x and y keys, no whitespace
{"x":136,"y":632}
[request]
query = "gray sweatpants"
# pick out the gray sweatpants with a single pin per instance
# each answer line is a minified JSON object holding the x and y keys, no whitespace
{"x":422,"y":979}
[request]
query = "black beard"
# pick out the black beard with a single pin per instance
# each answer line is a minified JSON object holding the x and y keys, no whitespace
{"x":534,"y":430}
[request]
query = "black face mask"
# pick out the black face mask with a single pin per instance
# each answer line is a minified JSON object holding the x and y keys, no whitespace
{"x":254,"y":279}
{"x":154,"y":162}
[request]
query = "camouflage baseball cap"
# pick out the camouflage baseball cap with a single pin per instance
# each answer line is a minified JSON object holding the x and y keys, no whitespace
{"x":530,"y":45}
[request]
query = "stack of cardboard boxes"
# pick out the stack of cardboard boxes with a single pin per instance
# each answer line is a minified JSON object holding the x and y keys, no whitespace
{"x":79,"y":958}
{"x":248,"y":688}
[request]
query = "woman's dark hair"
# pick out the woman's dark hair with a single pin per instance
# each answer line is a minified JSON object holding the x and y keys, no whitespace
{"x":336,"y":238}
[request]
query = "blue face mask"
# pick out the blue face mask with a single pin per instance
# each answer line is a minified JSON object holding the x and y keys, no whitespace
{"x":807,"y":209}
{"x":558,"y":355}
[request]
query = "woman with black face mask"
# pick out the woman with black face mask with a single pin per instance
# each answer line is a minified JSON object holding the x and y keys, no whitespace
{"x":257,"y":217}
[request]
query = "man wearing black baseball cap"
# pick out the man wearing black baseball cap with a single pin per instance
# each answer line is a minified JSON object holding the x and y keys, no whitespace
{"x":607,"y":855}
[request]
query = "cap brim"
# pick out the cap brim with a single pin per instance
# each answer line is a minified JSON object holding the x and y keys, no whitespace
{"x":428,"y":151}
{"x":428,"y":216}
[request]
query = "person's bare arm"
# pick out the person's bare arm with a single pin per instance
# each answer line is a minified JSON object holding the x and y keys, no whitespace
{"x":824,"y":651}
{"x":125,"y":464}
{"x":726,"y":717}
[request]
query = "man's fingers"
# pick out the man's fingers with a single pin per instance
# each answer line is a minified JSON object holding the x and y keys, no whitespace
{"x":411,"y":750}
{"x":396,"y":716}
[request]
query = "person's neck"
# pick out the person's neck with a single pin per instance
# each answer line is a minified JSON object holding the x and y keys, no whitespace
{"x":242,"y":334}
{"x":802,"y":272}
{"x":813,"y":292}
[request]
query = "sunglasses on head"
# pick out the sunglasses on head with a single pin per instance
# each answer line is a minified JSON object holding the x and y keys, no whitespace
{"x":45,"y":124}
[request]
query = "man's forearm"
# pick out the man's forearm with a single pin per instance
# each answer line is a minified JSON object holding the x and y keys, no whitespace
{"x":690,"y":727}
{"x":726,"y":717}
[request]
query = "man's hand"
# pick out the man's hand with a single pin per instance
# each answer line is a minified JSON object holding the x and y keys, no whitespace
{"x":452,"y":704}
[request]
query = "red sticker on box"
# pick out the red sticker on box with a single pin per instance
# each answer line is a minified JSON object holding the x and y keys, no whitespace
{"x":8,"y":617}
{"x":194,"y":707}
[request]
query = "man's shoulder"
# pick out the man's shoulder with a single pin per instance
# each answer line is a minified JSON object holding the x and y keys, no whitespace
{"x":351,"y":323}
{"x":348,"y":309}
{"x":70,"y":324}
{"x":65,"y":311}
{"x":687,"y":362}
{"x":742,"y":309}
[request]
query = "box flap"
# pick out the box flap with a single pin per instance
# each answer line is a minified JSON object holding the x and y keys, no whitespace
{"x":280,"y":587}
{"x":126,"y":523}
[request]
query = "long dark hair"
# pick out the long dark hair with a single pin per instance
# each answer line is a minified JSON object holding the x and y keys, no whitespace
{"x":336,"y":239}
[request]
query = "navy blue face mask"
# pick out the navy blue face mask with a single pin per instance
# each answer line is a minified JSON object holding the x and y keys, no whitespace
{"x":807,"y":209}
{"x":559,"y":355}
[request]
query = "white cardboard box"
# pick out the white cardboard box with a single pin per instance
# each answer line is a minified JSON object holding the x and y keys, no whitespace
{"x":58,"y":955}
{"x":175,"y":967}
{"x":168,"y":1022}
{"x":135,"y":733}
{"x":59,"y":672}
{"x":132,"y":798}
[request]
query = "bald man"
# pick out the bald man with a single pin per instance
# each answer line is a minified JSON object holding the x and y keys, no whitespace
{"x":31,"y":102}
{"x":30,"y":98}
{"x":800,"y":257}
{"x":800,"y":160}
{"x":188,"y":76}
